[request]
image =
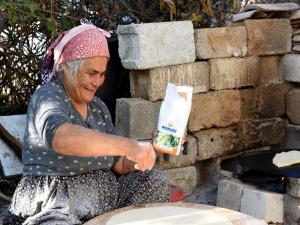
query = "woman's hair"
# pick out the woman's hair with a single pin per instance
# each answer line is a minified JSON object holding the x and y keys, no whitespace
{"x":70,"y":67}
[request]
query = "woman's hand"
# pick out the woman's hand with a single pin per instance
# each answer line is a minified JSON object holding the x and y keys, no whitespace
{"x":143,"y":155}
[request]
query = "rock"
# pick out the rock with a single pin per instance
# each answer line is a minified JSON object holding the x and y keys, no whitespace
{"x":289,"y":67}
{"x":291,"y":139}
{"x":268,"y":70}
{"x":291,"y":210}
{"x":293,"y":106}
{"x":293,"y":187}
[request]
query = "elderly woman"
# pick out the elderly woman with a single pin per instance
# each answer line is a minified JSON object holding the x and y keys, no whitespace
{"x":75,"y":167}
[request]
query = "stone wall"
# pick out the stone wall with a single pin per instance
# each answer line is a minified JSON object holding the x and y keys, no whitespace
{"x":244,"y":80}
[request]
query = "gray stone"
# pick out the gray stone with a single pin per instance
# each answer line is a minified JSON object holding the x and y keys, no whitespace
{"x":291,"y":139}
{"x":151,"y":84}
{"x":289,"y":67}
{"x":184,"y":177}
{"x":293,"y":187}
{"x":291,"y":210}
{"x":15,"y":125}
{"x":149,"y":45}
{"x":136,"y":118}
{"x":293,"y":106}
{"x":269,"y":36}
{"x":221,"y":42}
{"x":233,"y":72}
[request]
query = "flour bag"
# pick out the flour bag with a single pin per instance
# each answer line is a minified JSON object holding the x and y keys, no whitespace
{"x":173,"y":117}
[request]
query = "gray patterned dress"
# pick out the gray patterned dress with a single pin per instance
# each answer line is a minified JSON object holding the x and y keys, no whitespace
{"x":58,"y":189}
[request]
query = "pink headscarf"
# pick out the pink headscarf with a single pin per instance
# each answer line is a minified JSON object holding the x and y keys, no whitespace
{"x":80,"y":42}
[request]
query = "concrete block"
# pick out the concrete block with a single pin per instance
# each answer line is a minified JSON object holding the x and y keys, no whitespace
{"x":184,"y":177}
{"x":218,"y":141}
{"x":221,"y":42}
{"x":291,"y":210}
{"x":268,"y":70}
{"x":269,"y":36}
{"x":262,"y":132}
{"x":293,"y":187}
{"x":233,"y":72}
{"x":293,"y":105}
{"x":264,"y":205}
{"x":136,"y":118}
{"x":151,"y":84}
{"x":150,"y":45}
{"x":169,"y":161}
{"x":215,"y":109}
{"x":289,"y":67}
{"x":291,"y":139}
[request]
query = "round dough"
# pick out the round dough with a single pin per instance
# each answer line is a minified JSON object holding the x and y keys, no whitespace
{"x":168,"y":216}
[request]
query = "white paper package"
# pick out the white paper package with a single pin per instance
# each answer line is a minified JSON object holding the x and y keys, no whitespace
{"x":173,"y":117}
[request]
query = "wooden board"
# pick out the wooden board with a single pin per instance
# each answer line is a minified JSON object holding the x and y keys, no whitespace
{"x":233,"y":217}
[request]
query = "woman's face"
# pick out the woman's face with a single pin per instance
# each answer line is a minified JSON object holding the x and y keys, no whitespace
{"x":89,"y":78}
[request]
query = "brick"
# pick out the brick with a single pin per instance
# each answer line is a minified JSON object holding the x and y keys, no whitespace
{"x":291,"y":139}
{"x":184,"y":177}
{"x":149,"y":45}
{"x":293,"y":106}
{"x":218,"y":141}
{"x":271,"y":100}
{"x":291,"y":210}
{"x":168,"y":161}
{"x":289,"y":67}
{"x":151,"y":84}
{"x":269,"y":36}
{"x":264,"y":205}
{"x":221,"y":42}
{"x":136,"y":118}
{"x":268,"y":72}
{"x":293,"y":187}
{"x":215,"y":109}
{"x":262,"y":132}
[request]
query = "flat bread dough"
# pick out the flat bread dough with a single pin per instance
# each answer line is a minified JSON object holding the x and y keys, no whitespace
{"x":168,"y":216}
{"x":286,"y":158}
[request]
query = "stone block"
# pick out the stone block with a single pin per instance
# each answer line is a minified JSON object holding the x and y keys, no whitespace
{"x":151,"y":84}
{"x":221,"y":42}
{"x":291,"y":139}
{"x":168,"y":161}
{"x":136,"y":118}
{"x":289,"y":67}
{"x":291,"y":208}
{"x":233,"y":72}
{"x":293,"y":105}
{"x":293,"y":187}
{"x":215,"y":109}
{"x":150,"y":45}
{"x":262,"y":132}
{"x":268,"y":70}
{"x":269,"y":36}
{"x":218,"y":141}
{"x":249,"y":98}
{"x":184,"y":177}
{"x":271,"y":100}
{"x":264,"y":205}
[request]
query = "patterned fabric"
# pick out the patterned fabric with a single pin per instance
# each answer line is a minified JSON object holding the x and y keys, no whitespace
{"x":58,"y":200}
{"x":50,"y":107}
{"x":81,"y":42}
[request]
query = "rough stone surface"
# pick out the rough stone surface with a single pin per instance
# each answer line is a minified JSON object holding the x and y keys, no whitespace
{"x":264,"y":205}
{"x":293,"y":105}
{"x":293,"y":187}
{"x":291,"y":210}
{"x":268,"y":70}
{"x":184,"y":177}
{"x":221,"y":42}
{"x":151,"y":84}
{"x":262,"y":132}
{"x":149,"y":45}
{"x":168,"y":161}
{"x":291,"y":139}
{"x":271,"y":100}
{"x":215,"y":109}
{"x":233,"y":72}
{"x":249,"y":98}
{"x":136,"y":118}
{"x":289,"y":67}
{"x":218,"y":141}
{"x":269,"y":36}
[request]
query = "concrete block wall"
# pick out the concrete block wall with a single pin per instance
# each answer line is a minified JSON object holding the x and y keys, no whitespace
{"x":244,"y":81}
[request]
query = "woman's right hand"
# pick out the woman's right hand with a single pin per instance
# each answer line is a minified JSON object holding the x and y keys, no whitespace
{"x":143,"y":155}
